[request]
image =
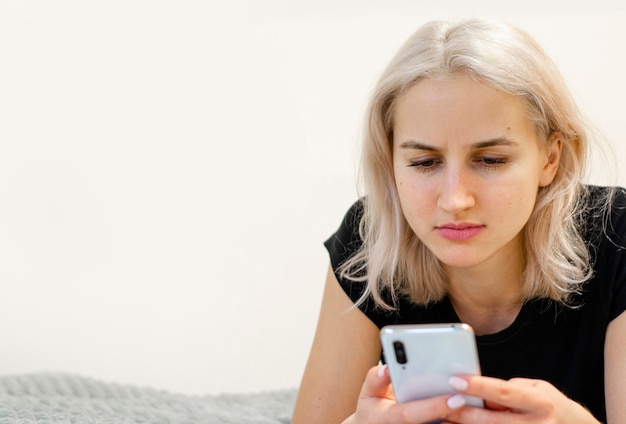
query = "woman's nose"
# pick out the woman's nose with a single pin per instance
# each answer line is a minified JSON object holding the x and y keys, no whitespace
{"x":455,"y":194}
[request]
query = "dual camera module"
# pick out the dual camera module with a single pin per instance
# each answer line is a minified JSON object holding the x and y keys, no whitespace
{"x":398,"y":348}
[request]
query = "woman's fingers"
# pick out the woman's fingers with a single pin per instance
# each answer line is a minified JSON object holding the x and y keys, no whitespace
{"x":516,"y":394}
{"x":419,"y":411}
{"x":377,"y":384}
{"x":377,"y":403}
{"x":516,"y":400}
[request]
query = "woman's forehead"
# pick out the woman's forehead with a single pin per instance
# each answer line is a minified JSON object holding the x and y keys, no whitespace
{"x":459,"y":108}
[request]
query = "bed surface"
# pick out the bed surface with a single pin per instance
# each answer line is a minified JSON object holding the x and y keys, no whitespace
{"x":63,"y":398}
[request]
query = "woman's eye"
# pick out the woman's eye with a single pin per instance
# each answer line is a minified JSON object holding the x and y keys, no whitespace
{"x":489,"y":162}
{"x":424,"y":164}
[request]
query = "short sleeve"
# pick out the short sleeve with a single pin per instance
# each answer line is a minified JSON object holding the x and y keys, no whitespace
{"x":346,"y":241}
{"x":341,"y":246}
{"x":606,"y":234}
{"x":616,"y":244}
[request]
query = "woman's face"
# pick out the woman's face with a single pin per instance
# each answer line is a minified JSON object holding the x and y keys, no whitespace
{"x":468,"y":164}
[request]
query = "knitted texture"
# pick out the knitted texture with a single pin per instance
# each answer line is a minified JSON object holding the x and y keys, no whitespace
{"x":62,"y":398}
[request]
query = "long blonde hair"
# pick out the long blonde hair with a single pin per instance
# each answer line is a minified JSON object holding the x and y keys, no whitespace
{"x":392,"y":258}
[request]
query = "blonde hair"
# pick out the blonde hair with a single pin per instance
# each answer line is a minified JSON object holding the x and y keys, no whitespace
{"x":392,"y":258}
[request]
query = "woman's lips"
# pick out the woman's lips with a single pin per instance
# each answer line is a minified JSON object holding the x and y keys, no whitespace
{"x":454,"y":231}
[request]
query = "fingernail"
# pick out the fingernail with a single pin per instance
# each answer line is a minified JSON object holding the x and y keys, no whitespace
{"x":458,"y":384}
{"x":456,"y":401}
{"x":381,"y":371}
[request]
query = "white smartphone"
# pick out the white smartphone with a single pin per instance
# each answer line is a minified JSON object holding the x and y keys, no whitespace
{"x":422,"y":357}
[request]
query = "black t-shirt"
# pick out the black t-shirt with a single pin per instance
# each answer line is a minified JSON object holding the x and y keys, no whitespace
{"x":547,"y":341}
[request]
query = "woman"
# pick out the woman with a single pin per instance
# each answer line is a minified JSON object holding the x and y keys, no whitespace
{"x":475,"y":212}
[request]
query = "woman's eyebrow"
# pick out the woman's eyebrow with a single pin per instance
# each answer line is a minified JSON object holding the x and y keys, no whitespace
{"x":411,"y":144}
{"x":500,"y":141}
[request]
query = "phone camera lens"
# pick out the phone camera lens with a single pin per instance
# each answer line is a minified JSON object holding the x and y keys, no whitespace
{"x":398,"y":347}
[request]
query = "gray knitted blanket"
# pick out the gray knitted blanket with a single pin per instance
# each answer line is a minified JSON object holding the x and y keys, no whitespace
{"x":62,"y":398}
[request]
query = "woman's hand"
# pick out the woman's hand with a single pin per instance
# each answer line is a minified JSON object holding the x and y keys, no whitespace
{"x":377,"y":403}
{"x":517,"y":400}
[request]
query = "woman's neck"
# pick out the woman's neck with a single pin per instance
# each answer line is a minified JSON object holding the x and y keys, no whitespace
{"x":488,"y":301}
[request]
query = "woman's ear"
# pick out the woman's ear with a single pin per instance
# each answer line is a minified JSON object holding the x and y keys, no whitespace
{"x":553,"y":158}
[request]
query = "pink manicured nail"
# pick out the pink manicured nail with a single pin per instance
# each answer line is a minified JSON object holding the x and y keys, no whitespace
{"x":458,"y":384}
{"x":381,"y":371}
{"x":456,"y":401}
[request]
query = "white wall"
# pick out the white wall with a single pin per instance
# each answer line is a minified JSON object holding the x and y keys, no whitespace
{"x":170,"y":169}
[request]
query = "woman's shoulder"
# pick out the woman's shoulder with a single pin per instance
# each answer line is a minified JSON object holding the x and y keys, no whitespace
{"x":605,"y":194}
{"x":604,"y":201}
{"x":606,"y":237}
{"x":347,"y":240}
{"x":605,"y":212}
